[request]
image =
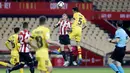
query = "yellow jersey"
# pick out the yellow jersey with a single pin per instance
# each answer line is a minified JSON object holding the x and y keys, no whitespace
{"x":79,"y":20}
{"x":40,"y":35}
{"x":13,"y":40}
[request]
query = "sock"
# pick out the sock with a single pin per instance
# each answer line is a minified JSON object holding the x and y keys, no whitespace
{"x":3,"y":63}
{"x":21,"y":70}
{"x":17,"y":67}
{"x":31,"y":65}
{"x":79,"y":52}
{"x":35,"y":63}
{"x":47,"y":72}
{"x":32,"y":69}
{"x":121,"y":70}
{"x":64,"y":55}
{"x":71,"y":56}
{"x":74,"y":58}
{"x":113,"y":66}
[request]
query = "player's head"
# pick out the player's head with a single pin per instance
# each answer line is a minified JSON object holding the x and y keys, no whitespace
{"x":119,"y":24}
{"x":25,"y":25}
{"x":75,"y":9}
{"x":16,"y":29}
{"x":64,"y":16}
{"x":42,"y":20}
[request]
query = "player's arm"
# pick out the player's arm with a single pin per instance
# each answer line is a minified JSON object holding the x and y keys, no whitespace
{"x":69,"y":29}
{"x":57,"y":25}
{"x":116,"y":39}
{"x":75,"y":19}
{"x":30,"y":41}
{"x":49,"y":41}
{"x":85,"y":23}
{"x":7,"y":44}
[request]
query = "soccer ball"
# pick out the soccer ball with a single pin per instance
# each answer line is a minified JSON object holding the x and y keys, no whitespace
{"x":60,"y":4}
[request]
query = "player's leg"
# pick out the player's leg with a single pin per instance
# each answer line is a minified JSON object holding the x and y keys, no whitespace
{"x":49,"y":67}
{"x":118,"y":64}
{"x":42,"y":71}
{"x":30,"y":62}
{"x":73,"y":36}
{"x":120,"y":57}
{"x":112,"y":59}
{"x":62,"y":39}
{"x":16,"y":62}
{"x":78,"y":39}
{"x":5,"y":64}
{"x":21,"y":70}
{"x":41,"y":65}
{"x":74,"y":54}
{"x":112,"y":65}
{"x":20,"y":65}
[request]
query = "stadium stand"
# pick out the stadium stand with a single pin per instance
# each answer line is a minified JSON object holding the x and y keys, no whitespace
{"x":93,"y":38}
{"x":112,"y":5}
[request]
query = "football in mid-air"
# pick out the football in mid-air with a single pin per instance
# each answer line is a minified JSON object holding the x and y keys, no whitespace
{"x":60,"y":4}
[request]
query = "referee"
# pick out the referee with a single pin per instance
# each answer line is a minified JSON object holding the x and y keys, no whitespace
{"x":120,"y":40}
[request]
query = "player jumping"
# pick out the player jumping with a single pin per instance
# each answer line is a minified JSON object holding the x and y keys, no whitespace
{"x":77,"y":25}
{"x":24,"y":52}
{"x":41,"y":36}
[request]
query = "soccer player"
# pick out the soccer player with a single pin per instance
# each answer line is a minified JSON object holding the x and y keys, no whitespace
{"x":64,"y":25}
{"x":76,"y":34}
{"x":13,"y":40}
{"x":24,"y":52}
{"x":41,"y":36}
{"x":121,"y":38}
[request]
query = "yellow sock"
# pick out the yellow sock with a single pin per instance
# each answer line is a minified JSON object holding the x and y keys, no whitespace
{"x":47,"y":72}
{"x":21,"y":70}
{"x":3,"y":63}
{"x":80,"y":52}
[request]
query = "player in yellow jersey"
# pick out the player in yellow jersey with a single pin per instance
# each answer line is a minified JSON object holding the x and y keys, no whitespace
{"x":41,"y":36}
{"x":13,"y":45}
{"x":77,"y":25}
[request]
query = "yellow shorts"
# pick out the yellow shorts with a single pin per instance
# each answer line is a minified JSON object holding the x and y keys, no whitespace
{"x":43,"y":60}
{"x":76,"y":34}
{"x":14,"y":57}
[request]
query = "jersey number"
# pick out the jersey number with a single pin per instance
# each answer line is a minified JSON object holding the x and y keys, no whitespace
{"x":39,"y":41}
{"x":80,"y":21}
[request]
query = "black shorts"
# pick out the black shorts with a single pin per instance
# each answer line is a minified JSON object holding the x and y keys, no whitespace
{"x":25,"y":57}
{"x":118,"y":54}
{"x":64,"y":39}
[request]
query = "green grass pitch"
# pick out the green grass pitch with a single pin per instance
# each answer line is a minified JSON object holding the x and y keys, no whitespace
{"x":73,"y":70}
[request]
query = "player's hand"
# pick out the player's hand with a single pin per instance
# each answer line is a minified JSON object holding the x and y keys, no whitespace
{"x":109,"y":39}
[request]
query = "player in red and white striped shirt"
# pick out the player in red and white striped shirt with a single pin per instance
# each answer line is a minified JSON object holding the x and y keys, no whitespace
{"x":24,"y":52}
{"x":22,"y":36}
{"x":64,"y":25}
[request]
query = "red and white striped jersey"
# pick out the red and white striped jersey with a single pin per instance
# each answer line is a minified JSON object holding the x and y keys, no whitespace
{"x":22,"y":36}
{"x":64,"y":25}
